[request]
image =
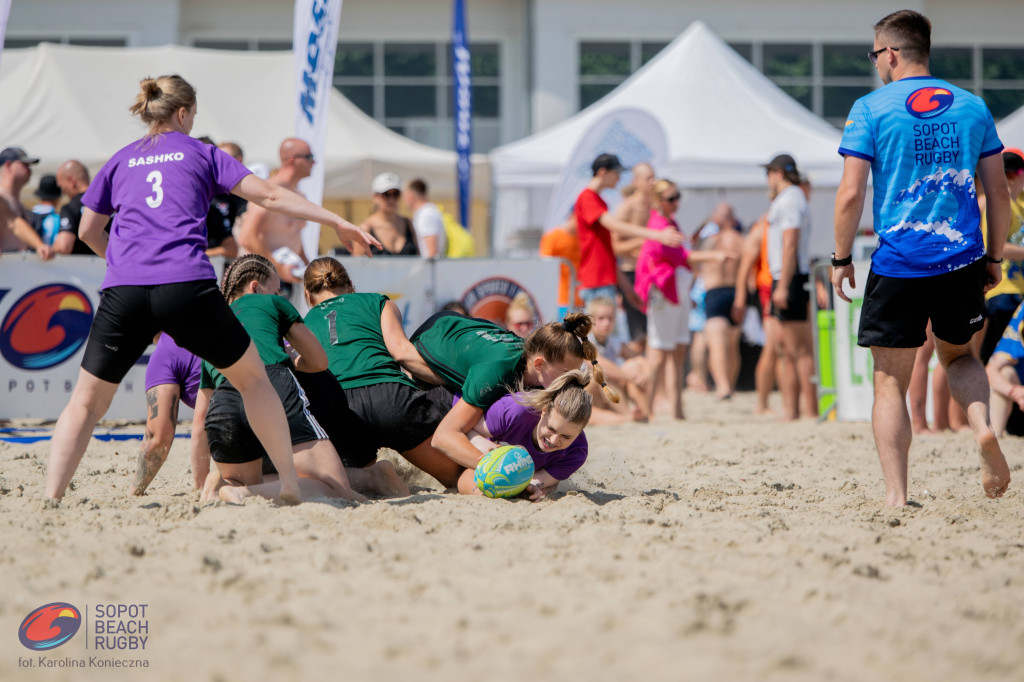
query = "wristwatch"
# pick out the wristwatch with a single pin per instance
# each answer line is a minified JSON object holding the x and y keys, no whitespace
{"x":836,"y":262}
{"x":990,"y":259}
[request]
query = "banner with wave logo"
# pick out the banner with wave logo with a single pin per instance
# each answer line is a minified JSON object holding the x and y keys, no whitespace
{"x":314,"y":41}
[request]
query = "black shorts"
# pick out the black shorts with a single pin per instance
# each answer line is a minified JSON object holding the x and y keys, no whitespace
{"x":799,"y":299}
{"x":896,"y":310}
{"x":718,"y":302}
{"x":231,"y":438}
{"x":360,"y":421}
{"x":194,"y":314}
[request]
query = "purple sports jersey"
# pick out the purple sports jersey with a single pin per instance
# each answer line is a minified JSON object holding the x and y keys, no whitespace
{"x":159,"y":191}
{"x":509,"y":421}
{"x":172,"y":364}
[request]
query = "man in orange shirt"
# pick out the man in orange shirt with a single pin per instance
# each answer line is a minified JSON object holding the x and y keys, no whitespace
{"x":562,"y":242}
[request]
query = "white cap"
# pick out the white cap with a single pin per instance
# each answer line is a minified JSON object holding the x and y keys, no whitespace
{"x":386,"y":182}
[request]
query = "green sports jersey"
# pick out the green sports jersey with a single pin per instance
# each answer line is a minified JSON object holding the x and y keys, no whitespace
{"x":475,"y":358}
{"x":348,"y":326}
{"x":267,"y":319}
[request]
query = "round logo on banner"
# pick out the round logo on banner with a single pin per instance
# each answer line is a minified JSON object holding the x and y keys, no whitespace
{"x":46,"y":326}
{"x":489,"y":299}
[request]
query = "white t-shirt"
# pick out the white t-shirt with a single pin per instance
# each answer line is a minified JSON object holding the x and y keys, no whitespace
{"x":427,"y":222}
{"x":787,"y":212}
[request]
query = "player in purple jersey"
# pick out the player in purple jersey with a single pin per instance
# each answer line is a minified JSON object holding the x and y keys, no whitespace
{"x":172,"y":374}
{"x":548,"y":423}
{"x":160,"y":279}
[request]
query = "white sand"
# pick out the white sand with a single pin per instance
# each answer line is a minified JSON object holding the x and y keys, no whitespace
{"x":727,"y":548}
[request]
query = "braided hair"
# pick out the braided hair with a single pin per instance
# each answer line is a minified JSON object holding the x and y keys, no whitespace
{"x":243,"y":270}
{"x":555,"y":340}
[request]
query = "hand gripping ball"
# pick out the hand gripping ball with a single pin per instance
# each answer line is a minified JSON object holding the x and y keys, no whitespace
{"x":504,"y":471}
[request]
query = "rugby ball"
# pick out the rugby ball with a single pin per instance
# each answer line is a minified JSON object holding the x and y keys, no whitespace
{"x":504,"y":471}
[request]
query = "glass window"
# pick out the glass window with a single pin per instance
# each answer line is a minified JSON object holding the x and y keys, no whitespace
{"x":590,"y":93}
{"x":486,"y":101}
{"x":801,"y":93}
{"x":605,"y":59}
{"x":746,"y":50}
{"x":847,"y":60}
{"x":1002,"y":103}
{"x":273,"y":45}
{"x":410,"y":59}
{"x":353,"y":59}
{"x":360,"y":95}
{"x":410,"y":100}
{"x":1002,"y":64}
{"x":15,"y":43}
{"x":787,"y":60}
{"x":98,"y":42}
{"x":223,"y":44}
{"x":484,"y":60}
{"x":951,"y":63}
{"x":649,"y":51}
{"x":838,"y":100}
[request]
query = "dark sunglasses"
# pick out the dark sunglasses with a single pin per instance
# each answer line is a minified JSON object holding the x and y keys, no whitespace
{"x":308,"y":157}
{"x":391,"y":194}
{"x":672,"y":198}
{"x":873,"y":56}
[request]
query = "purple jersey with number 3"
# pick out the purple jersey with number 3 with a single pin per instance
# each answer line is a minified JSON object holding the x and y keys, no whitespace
{"x":159,"y":191}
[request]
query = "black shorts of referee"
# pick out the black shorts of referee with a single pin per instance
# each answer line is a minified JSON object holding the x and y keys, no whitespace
{"x":896,"y":310}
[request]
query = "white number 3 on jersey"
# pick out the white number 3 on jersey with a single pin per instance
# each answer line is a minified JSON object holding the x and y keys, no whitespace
{"x":155,"y":178}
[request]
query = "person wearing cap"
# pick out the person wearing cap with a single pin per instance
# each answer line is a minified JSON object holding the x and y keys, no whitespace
{"x":789,"y":231}
{"x":599,"y":273}
{"x":45,"y":219}
{"x":16,"y":233}
{"x":395,"y":232}
{"x":73,"y":179}
{"x":274,"y":235}
{"x":923,"y":141}
{"x":1002,"y":300}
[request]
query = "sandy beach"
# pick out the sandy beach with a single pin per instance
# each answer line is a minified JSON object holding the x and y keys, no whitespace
{"x":727,"y":547}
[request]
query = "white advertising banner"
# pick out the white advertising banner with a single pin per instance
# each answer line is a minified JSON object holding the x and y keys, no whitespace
{"x":5,"y":11}
{"x":46,"y":309}
{"x":314,"y":41}
{"x":484,"y":287}
{"x":853,"y":367}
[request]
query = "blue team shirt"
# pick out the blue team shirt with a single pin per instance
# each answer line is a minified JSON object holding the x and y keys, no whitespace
{"x":923,"y":138}
{"x":1011,"y":344}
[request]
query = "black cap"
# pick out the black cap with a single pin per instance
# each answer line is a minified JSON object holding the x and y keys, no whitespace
{"x":782,"y":162}
{"x":48,"y":188}
{"x":1013,"y":162}
{"x":16,"y":154}
{"x":608,"y":162}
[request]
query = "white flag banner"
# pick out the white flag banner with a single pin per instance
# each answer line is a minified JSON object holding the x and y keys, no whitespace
{"x":315,"y":40}
{"x":5,"y":10}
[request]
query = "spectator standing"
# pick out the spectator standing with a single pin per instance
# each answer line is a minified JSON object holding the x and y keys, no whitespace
{"x":16,"y":233}
{"x":427,"y":221}
{"x":45,"y":218}
{"x":73,"y":179}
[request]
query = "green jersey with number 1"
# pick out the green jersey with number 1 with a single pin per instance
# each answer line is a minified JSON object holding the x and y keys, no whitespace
{"x":348,"y":326}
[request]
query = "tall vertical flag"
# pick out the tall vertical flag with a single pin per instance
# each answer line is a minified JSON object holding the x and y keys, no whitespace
{"x":5,"y":10}
{"x":314,"y":41}
{"x":463,"y":77}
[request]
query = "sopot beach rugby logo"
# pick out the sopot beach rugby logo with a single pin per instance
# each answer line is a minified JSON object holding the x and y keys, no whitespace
{"x":45,"y":326}
{"x":50,"y":626}
{"x":929,"y":102}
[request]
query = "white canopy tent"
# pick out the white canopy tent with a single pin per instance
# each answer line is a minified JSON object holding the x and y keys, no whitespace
{"x":62,"y":102}
{"x":721,"y":118}
{"x":1011,"y":129}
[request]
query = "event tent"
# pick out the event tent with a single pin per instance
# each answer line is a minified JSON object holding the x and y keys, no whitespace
{"x":721,"y":118}
{"x":62,"y":102}
{"x":1011,"y":129}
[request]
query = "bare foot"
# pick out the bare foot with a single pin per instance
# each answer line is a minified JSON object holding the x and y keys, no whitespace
{"x":995,"y":474}
{"x":922,"y":430}
{"x":290,"y":494}
{"x":234,"y":493}
{"x":386,"y":480}
{"x":214,"y":482}
{"x":764,"y":412}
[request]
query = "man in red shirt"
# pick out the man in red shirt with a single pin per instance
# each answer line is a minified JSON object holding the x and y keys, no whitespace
{"x":599,"y":272}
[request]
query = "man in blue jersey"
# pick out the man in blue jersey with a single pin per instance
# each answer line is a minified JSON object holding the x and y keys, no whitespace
{"x":922,"y":139}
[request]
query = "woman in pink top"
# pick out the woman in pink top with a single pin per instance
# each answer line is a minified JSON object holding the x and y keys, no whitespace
{"x":663,"y":280}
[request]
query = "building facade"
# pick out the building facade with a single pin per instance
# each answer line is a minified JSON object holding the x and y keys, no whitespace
{"x":537,"y":62}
